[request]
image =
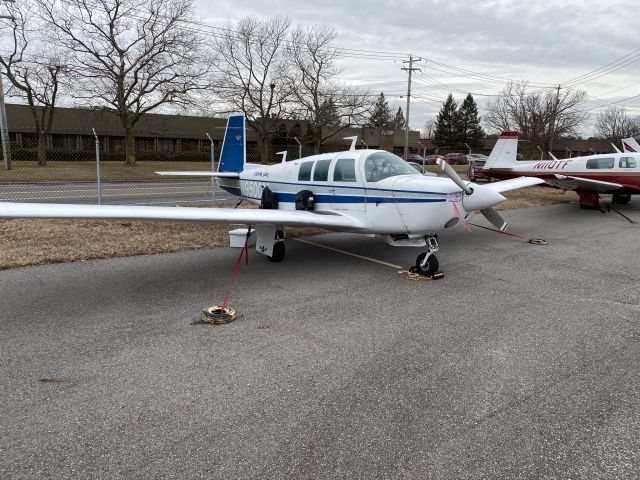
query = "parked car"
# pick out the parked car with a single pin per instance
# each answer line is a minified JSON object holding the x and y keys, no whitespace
{"x":475,"y":172}
{"x":418,"y":167}
{"x":414,"y":157}
{"x":431,"y":159}
{"x":455,"y":158}
{"x":476,"y":156}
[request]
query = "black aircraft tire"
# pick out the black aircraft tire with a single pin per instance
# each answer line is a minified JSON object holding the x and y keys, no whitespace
{"x":430,"y":268}
{"x":621,"y":199}
{"x":278,"y":252}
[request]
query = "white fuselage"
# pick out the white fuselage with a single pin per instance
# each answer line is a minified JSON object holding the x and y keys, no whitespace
{"x":410,"y":204}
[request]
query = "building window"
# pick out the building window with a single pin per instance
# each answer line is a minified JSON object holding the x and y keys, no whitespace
{"x":167,"y":144}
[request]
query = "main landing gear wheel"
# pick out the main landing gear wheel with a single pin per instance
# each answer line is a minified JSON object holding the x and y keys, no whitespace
{"x":278,"y":252}
{"x":621,"y":199}
{"x":278,"y":246}
{"x":430,"y":267}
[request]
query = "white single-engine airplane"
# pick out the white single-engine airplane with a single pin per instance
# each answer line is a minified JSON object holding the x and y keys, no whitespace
{"x":361,"y":191}
{"x":613,"y":173}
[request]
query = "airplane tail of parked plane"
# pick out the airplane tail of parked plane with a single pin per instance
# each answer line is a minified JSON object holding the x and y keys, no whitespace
{"x":504,"y":152}
{"x":234,"y":146}
{"x":630,"y":145}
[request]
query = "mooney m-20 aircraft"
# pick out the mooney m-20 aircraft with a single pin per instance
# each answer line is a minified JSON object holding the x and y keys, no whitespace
{"x":613,"y":173}
{"x":361,"y":191}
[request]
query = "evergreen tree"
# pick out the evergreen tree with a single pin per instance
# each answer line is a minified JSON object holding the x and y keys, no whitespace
{"x":467,"y":125}
{"x":445,"y":126}
{"x":381,"y":115}
{"x":399,"y":121}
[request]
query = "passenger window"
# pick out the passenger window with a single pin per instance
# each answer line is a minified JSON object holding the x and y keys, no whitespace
{"x":345,"y":170}
{"x":627,"y":162}
{"x":304,"y":174}
{"x":321,"y":172}
{"x":600,"y":163}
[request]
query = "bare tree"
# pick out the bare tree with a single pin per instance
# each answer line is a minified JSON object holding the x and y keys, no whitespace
{"x":131,"y":56}
{"x":252,"y":72}
{"x":540,"y":116}
{"x":614,"y":124}
{"x":428,"y":129}
{"x":327,"y":106}
{"x":33,"y":71}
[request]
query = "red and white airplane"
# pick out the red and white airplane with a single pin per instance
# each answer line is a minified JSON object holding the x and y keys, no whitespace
{"x":612,"y":173}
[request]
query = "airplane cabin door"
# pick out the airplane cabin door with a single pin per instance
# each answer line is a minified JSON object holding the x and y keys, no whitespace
{"x":347,"y":187}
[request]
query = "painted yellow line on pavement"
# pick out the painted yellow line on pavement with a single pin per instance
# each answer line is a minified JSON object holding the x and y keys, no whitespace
{"x":397,"y":267}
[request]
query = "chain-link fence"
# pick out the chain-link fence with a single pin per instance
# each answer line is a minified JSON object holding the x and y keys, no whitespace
{"x":77,"y":169}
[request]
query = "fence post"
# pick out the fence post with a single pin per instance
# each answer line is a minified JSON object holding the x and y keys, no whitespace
{"x":299,"y":147}
{"x":213,"y":168}
{"x":98,"y":166}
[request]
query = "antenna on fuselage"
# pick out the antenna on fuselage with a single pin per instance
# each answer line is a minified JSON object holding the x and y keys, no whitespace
{"x":616,"y":148}
{"x":284,"y":155}
{"x":553,"y":157}
{"x":354,"y":140}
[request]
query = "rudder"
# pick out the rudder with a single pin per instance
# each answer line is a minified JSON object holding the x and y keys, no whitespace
{"x":234,"y":147}
{"x":504,"y":152}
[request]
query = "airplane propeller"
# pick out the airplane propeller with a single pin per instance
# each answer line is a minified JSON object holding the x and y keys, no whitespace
{"x":490,"y":213}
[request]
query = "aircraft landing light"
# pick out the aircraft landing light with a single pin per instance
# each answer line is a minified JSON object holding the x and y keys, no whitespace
{"x":386,"y":264}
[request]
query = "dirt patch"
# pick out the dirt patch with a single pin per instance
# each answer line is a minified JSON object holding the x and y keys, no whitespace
{"x":35,"y":242}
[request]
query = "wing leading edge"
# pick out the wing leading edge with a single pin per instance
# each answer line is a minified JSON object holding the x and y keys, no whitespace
{"x":239,"y":216}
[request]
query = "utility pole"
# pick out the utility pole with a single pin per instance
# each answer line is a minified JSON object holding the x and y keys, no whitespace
{"x":552,"y":132}
{"x":406,"y":127}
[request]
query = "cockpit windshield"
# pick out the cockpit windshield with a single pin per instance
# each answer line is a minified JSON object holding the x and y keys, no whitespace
{"x":381,"y":165}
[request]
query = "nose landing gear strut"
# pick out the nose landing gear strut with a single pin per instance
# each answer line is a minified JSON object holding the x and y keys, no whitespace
{"x":427,"y":263}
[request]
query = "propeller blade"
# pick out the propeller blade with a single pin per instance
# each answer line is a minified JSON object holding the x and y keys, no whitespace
{"x":494,"y":218}
{"x":453,"y":175}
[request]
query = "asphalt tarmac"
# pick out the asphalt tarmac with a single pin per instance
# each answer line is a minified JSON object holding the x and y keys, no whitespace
{"x":523,"y":362}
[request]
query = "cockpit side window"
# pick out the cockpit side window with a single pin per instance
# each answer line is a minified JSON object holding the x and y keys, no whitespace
{"x":381,"y":165}
{"x":304,"y":174}
{"x":627,"y":162}
{"x":345,"y":170}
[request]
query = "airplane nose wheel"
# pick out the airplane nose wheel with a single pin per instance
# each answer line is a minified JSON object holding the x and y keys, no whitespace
{"x":427,"y":264}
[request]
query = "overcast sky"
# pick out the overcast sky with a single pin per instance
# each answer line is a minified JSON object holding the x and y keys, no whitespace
{"x":545,"y":42}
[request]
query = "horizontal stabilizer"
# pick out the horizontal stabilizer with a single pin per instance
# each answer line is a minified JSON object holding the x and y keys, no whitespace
{"x":200,"y":173}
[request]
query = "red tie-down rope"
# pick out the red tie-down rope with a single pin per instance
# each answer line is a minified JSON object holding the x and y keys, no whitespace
{"x":236,"y":270}
{"x":464,"y":224}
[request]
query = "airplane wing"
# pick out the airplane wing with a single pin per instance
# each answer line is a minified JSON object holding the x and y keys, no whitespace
{"x":571,"y":183}
{"x":237,"y":216}
{"x":514,"y":183}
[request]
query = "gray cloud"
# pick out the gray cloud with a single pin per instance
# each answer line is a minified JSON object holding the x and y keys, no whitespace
{"x":546,"y":42}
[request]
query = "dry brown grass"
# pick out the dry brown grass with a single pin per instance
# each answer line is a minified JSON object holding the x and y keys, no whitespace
{"x":35,"y":242}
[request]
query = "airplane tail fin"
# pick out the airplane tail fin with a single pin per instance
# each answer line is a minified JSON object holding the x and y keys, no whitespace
{"x":504,"y":152}
{"x":630,"y":145}
{"x":234,"y":146}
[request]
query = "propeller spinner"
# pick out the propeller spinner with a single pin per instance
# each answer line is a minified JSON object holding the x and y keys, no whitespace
{"x":477,"y":197}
